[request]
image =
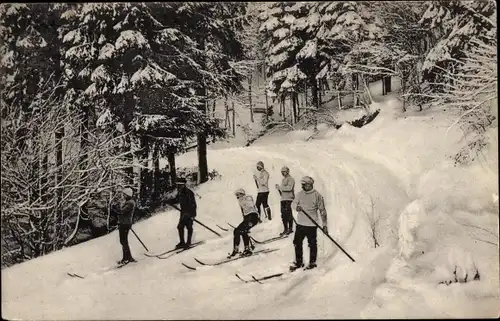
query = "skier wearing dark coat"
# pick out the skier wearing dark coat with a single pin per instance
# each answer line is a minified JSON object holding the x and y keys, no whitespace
{"x":287,"y":192}
{"x":309,"y":201}
{"x":250,"y":219}
{"x":187,"y":203}
{"x":125,"y":224}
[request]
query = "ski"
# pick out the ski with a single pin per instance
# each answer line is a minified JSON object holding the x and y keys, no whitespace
{"x":181,"y":250}
{"x":173,"y":250}
{"x":222,"y":228}
{"x":75,"y":275}
{"x":189,"y":267}
{"x":267,"y":277}
{"x":232,"y":226}
{"x":258,"y":280}
{"x":263,"y":251}
{"x":272,"y":239}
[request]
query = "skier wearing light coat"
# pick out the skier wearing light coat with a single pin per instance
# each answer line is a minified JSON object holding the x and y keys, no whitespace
{"x":287,"y":192}
{"x":262,"y":181}
{"x":250,"y":219}
{"x":311,"y":202}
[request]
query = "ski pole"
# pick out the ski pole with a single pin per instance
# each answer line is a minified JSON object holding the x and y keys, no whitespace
{"x":139,"y":239}
{"x":331,"y":239}
{"x":208,"y":228}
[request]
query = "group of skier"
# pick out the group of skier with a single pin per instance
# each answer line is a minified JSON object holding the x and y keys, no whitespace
{"x":308,"y":203}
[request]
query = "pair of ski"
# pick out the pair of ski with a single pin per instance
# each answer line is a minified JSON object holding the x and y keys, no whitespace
{"x":267,"y":277}
{"x":174,"y":251}
{"x":118,"y":266}
{"x":272,"y":239}
{"x":262,"y":251}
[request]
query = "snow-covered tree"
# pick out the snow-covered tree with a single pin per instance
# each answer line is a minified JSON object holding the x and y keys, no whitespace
{"x":289,"y":48}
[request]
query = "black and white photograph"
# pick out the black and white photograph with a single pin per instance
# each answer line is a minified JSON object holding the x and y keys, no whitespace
{"x":249,"y":160}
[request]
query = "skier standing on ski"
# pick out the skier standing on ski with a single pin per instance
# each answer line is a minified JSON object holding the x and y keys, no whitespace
{"x":250,"y":219}
{"x":309,"y":201}
{"x":262,"y":181}
{"x":187,"y":203}
{"x":125,"y":224}
{"x":287,"y":192}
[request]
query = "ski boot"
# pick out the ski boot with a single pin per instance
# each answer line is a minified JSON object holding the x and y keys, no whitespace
{"x":234,"y":253}
{"x":247,"y":252}
{"x":289,"y":231}
{"x":122,"y":262}
{"x":285,"y":232}
{"x":180,"y":245}
{"x":311,"y":266}
{"x":295,"y":266}
{"x":187,"y":245}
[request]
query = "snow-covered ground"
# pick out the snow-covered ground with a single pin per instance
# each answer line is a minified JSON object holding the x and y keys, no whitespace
{"x":434,"y":223}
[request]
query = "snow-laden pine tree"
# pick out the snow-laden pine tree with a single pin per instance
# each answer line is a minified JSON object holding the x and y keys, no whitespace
{"x":289,"y":47}
{"x":453,"y":24}
{"x":349,"y":36}
{"x":404,"y":43}
{"x":213,"y":28}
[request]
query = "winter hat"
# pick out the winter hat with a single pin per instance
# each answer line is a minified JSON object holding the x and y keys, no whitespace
{"x":307,"y":180}
{"x":260,"y":163}
{"x":181,"y":181}
{"x":285,"y":169}
{"x":128,"y":191}
{"x":239,"y":191}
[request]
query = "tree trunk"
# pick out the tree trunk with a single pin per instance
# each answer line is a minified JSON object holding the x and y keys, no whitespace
{"x":156,"y":172}
{"x":403,"y":88}
{"x":250,"y":97}
{"x":84,"y":143}
{"x":202,"y":158}
{"x":314,"y":92}
{"x":294,"y":107}
{"x":267,"y":107}
{"x":226,"y":119}
{"x":320,"y":93}
{"x":283,"y":98}
{"x":355,"y":87}
{"x":59,"y":136}
{"x":201,"y":137}
{"x":387,"y":84}
{"x":234,"y":119}
{"x":144,"y":172}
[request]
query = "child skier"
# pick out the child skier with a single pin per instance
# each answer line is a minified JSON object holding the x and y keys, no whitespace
{"x":250,"y":219}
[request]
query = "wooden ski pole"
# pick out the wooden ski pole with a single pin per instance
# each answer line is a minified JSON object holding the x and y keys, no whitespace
{"x":208,"y":228}
{"x":331,"y":239}
{"x":139,"y":239}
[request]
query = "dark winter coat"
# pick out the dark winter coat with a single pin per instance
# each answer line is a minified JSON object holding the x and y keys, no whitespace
{"x":187,"y":202}
{"x":127,"y":212}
